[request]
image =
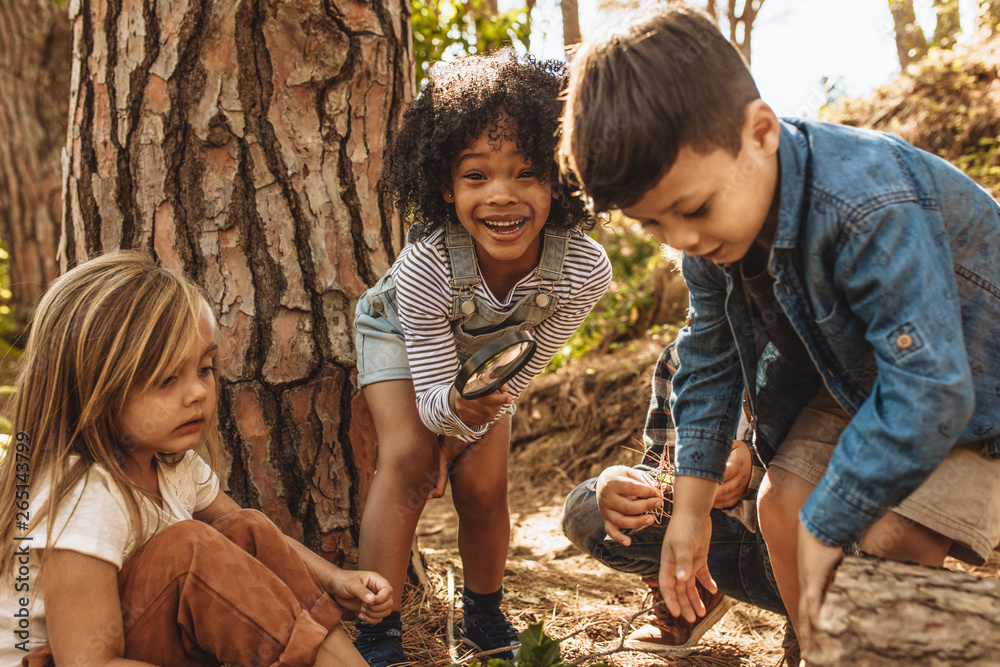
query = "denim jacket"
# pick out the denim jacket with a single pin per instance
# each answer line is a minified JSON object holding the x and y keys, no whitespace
{"x":885,"y":262}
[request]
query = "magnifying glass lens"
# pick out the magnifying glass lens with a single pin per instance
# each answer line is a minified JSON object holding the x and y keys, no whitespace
{"x":494,"y":364}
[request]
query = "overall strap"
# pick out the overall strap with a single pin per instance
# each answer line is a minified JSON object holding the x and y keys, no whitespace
{"x":464,"y":268}
{"x":554,"y":248}
{"x":462,"y":256}
{"x":550,"y":268}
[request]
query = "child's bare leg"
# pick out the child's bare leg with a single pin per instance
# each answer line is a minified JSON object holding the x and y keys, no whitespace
{"x":406,"y":472}
{"x":479,"y":488}
{"x":899,"y":538}
{"x":782,"y":494}
{"x":338,"y":651}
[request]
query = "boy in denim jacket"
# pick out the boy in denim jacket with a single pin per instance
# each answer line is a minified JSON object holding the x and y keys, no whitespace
{"x":868,"y":266}
{"x":614,"y":518}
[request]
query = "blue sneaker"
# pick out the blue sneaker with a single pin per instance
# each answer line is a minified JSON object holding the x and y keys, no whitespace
{"x":486,"y":629}
{"x":383,"y":651}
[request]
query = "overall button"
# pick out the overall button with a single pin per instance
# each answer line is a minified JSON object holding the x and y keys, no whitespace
{"x":542,"y":300}
{"x":377,"y":306}
{"x":904,"y":342}
{"x":468,"y":307}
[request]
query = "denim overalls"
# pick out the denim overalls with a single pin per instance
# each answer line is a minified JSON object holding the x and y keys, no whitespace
{"x":379,"y":334}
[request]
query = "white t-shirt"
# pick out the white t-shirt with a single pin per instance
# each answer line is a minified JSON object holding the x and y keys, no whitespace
{"x":99,"y":526}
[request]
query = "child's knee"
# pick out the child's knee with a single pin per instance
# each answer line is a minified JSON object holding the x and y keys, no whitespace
{"x":479,"y":502}
{"x":779,"y":499}
{"x":582,"y":520}
{"x":174,"y":548}
{"x":246,"y":528}
{"x":408,"y":459}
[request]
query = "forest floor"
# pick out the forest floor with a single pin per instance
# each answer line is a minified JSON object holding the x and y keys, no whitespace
{"x":548,"y":579}
{"x":570,"y":425}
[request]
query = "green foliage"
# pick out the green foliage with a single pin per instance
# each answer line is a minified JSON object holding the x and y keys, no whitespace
{"x":634,"y":255}
{"x":982,"y":163}
{"x":7,"y":322}
{"x":537,"y":650}
{"x":450,"y":28}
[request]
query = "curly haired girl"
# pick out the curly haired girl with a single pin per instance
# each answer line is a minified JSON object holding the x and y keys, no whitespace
{"x":496,"y":245}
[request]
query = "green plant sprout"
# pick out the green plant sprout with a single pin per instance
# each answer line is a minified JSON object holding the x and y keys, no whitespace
{"x":537,"y":650}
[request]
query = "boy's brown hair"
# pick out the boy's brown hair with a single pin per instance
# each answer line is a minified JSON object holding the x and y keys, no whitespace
{"x":643,"y":90}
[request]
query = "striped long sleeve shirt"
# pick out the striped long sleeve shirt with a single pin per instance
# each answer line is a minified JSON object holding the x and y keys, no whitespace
{"x":424,"y":301}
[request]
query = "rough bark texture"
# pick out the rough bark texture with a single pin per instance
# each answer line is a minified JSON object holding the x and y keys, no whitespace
{"x":571,"y":22}
{"x":884,"y":613}
{"x":34,"y":78}
{"x":911,"y":45}
{"x":242,"y":140}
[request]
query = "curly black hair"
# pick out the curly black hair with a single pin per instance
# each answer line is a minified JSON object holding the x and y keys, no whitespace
{"x":459,"y":102}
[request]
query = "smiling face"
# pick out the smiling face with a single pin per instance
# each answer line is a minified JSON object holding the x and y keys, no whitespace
{"x":499,"y":200}
{"x":172,"y":415}
{"x":716,"y":205}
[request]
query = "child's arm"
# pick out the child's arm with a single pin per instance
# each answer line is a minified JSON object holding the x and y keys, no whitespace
{"x":75,"y":582}
{"x":684,"y":555}
{"x":816,"y":563}
{"x":366,"y":593}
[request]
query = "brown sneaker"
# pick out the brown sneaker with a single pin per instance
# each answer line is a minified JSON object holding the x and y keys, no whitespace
{"x":675,"y":636}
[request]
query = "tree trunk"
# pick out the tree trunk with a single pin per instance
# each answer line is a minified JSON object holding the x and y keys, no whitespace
{"x":989,"y":16}
{"x":911,"y":45}
{"x":741,"y":24}
{"x":885,"y":613}
{"x":948,"y":23}
{"x":34,"y":77}
{"x":571,"y":22}
{"x":712,"y":11}
{"x":241,"y":141}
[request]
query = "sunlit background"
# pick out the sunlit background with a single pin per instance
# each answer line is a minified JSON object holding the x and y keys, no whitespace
{"x":796,"y":44}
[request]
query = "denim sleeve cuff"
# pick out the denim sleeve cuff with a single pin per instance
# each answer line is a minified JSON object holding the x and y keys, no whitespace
{"x":702,"y":453}
{"x":836,"y":514}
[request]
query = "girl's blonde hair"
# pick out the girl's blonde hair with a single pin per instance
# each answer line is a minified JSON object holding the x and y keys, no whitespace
{"x":110,"y":327}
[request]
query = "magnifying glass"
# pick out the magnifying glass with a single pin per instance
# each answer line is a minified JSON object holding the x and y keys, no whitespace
{"x":493,"y":364}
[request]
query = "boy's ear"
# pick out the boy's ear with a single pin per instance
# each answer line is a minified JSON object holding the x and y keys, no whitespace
{"x":761,"y":127}
{"x":447,"y":193}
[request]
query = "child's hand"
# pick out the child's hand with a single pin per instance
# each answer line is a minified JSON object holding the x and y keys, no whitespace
{"x":684,"y":555}
{"x":368,"y":594}
{"x":624,"y":496}
{"x":480,"y":411}
{"x":736,"y":479}
{"x":817,"y":562}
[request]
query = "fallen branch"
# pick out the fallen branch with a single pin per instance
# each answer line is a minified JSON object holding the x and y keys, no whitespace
{"x":881,"y":613}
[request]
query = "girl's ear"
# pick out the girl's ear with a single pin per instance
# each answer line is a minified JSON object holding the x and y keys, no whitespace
{"x":447,"y":193}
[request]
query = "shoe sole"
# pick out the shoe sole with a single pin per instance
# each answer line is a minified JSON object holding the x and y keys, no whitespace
{"x":680,"y":650}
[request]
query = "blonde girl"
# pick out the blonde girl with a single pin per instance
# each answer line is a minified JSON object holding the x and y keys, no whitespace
{"x":124,"y":550}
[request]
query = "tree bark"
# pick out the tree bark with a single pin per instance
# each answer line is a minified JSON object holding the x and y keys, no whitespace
{"x":741,"y":19}
{"x":571,"y":22}
{"x":911,"y":45}
{"x":241,"y":141}
{"x":34,"y":77}
{"x":948,"y":23}
{"x":885,"y":613}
